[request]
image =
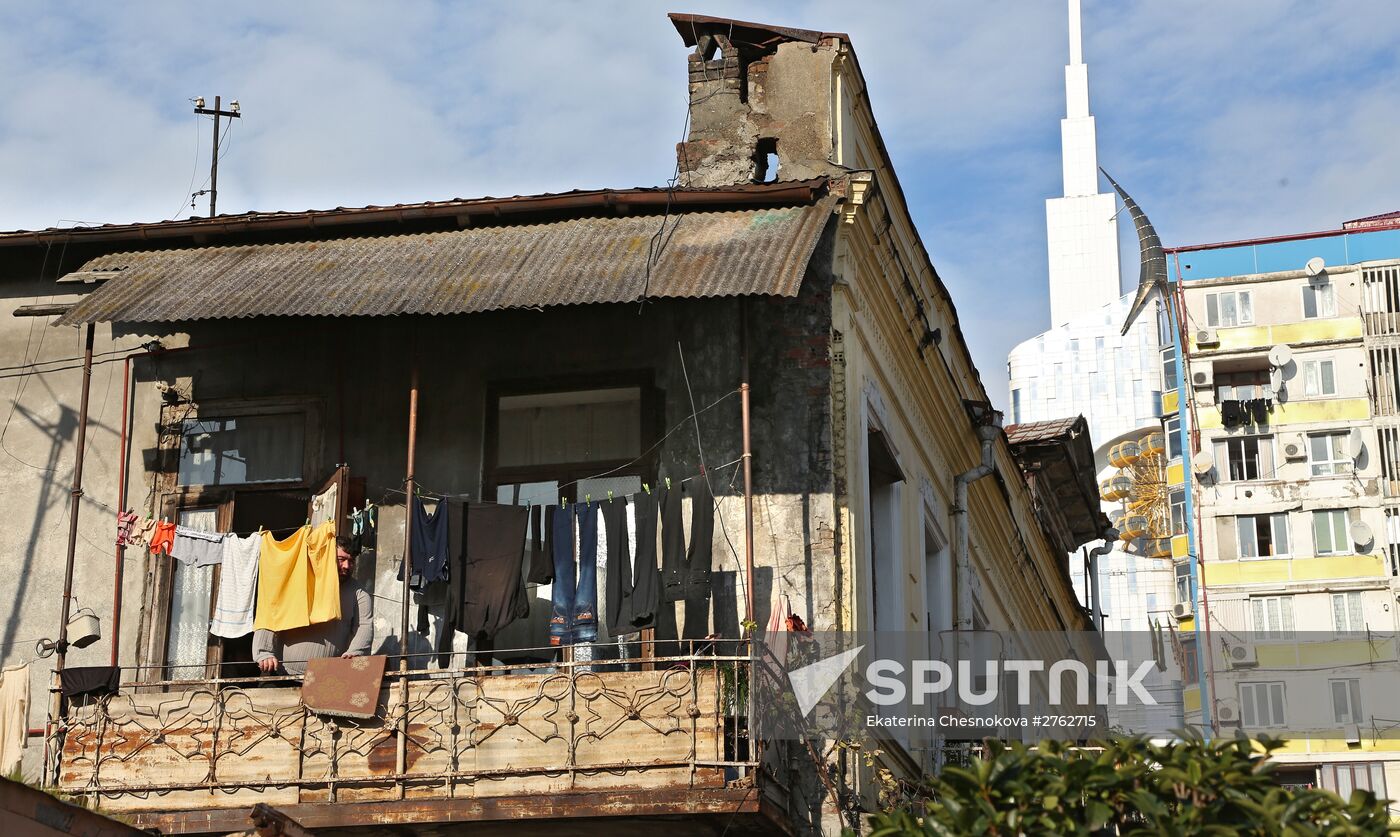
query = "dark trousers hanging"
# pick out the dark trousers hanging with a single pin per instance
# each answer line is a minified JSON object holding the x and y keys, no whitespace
{"x":633,"y":580}
{"x":686,"y":570}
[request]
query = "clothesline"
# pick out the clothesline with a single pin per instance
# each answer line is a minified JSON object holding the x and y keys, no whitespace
{"x":444,"y":496}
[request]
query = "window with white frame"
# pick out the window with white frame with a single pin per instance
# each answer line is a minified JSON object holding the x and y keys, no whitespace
{"x":1319,"y":377}
{"x":1262,"y":535}
{"x":1242,"y":386}
{"x":1330,"y":532}
{"x":1183,"y":581}
{"x":1262,"y":705}
{"x":1319,"y":300}
{"x":1229,"y":308}
{"x":1169,"y":368}
{"x":1327,"y":454}
{"x":1244,"y":458}
{"x":1171,"y":429}
{"x":1342,"y":779}
{"x":1347,"y":617}
{"x":1177,"y":501}
{"x":1273,"y":616}
{"x":1346,"y":700}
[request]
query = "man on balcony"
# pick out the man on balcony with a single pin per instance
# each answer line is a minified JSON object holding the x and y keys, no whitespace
{"x":286,"y":652}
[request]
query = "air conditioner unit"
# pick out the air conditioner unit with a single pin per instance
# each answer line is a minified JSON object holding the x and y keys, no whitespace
{"x":1227,"y":711}
{"x":1207,"y":337}
{"x":1202,"y":378}
{"x":1295,"y":447}
{"x":1353,"y":734}
{"x":1242,"y":656}
{"x":1181,"y":610}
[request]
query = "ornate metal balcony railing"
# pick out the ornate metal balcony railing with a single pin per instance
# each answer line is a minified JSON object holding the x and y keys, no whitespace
{"x":478,"y":731}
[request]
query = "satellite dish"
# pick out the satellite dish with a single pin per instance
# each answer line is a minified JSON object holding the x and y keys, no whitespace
{"x":1361,"y":534}
{"x":1315,"y":266}
{"x":1275,"y":379}
{"x":1280,"y":355}
{"x":1356,"y":443}
{"x":1201,"y":463}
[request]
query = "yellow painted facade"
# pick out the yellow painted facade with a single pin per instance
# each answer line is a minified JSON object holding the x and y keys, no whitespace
{"x":1322,"y":411}
{"x":1243,"y":338}
{"x":1267,"y":570}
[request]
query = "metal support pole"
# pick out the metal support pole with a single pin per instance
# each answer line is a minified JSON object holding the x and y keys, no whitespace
{"x":214,"y":164}
{"x":75,"y":497}
{"x":119,"y":562}
{"x":748,"y":462}
{"x":402,"y":758}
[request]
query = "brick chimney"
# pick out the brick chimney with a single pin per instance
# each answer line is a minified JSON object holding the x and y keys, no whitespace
{"x":760,"y":102}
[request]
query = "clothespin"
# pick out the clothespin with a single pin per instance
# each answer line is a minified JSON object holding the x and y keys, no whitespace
{"x":259,"y":529}
{"x":609,"y":496}
{"x":668,"y":483}
{"x":308,"y":522}
{"x":562,"y":506}
{"x":587,"y":498}
{"x":647,"y":487}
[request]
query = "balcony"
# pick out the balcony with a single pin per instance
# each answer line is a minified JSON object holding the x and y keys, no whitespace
{"x":604,"y":739}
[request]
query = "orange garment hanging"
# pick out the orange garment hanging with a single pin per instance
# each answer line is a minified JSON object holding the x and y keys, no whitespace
{"x":284,"y":582}
{"x":323,"y":601}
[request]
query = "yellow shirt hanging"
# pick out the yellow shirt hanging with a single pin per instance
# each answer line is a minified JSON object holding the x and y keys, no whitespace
{"x":323,"y":602}
{"x":297,"y":579}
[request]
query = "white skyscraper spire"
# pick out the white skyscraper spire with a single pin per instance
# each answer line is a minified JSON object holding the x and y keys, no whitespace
{"x":1081,"y":229}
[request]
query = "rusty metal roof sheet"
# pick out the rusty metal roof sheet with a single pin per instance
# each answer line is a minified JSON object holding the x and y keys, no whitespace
{"x":1042,"y":431}
{"x":568,"y":262}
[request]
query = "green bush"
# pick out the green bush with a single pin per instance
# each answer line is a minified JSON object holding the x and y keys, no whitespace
{"x":1127,"y":786}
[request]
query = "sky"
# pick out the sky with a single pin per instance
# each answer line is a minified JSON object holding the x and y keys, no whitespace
{"x":1224,"y":120}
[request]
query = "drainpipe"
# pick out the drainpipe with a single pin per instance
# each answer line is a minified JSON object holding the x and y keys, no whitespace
{"x":962,"y":525}
{"x":1096,"y":606}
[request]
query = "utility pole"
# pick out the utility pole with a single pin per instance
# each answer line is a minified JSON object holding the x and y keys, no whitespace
{"x":231,"y":113}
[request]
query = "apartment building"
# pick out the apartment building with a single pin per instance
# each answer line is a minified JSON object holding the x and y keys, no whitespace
{"x":1286,"y":421}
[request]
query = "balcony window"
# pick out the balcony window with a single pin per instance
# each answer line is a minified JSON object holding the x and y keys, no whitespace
{"x":1177,"y":501}
{"x":1319,"y":300}
{"x":1347,"y":617}
{"x":1262,"y":705}
{"x":1171,"y":431}
{"x":1263,"y":535}
{"x":1342,"y":779}
{"x":1273,"y":616}
{"x":1319,"y":378}
{"x":1229,"y":308}
{"x":1330,"y":532}
{"x":1245,"y":458}
{"x":1346,"y":700}
{"x":243,"y":449}
{"x":1242,"y":386}
{"x":1327,"y":454}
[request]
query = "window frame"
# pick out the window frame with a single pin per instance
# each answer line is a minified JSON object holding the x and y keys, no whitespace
{"x":1319,"y":391}
{"x":1314,"y":288}
{"x":1342,"y":466}
{"x":1172,"y":436}
{"x":1327,"y":775}
{"x":1287,"y":624}
{"x":653,"y":417}
{"x":1248,"y":707}
{"x":1353,"y":710}
{"x":1243,"y":302}
{"x":1355,"y":613}
{"x":312,"y":409}
{"x":1274,"y":519}
{"x":1347,"y":549}
{"x":1227,"y":473}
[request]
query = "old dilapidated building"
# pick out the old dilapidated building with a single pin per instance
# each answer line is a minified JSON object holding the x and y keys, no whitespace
{"x":548,"y":348}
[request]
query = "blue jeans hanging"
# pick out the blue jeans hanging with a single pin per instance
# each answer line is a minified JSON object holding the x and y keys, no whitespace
{"x":575,"y":593}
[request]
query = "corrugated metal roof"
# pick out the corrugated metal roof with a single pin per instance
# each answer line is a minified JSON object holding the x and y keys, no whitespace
{"x":1042,"y":431}
{"x":569,"y":262}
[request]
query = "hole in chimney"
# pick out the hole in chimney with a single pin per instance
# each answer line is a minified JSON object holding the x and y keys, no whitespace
{"x":765,"y":161}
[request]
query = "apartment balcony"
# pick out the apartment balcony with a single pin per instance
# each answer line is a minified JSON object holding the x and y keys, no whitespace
{"x":578,"y":745}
